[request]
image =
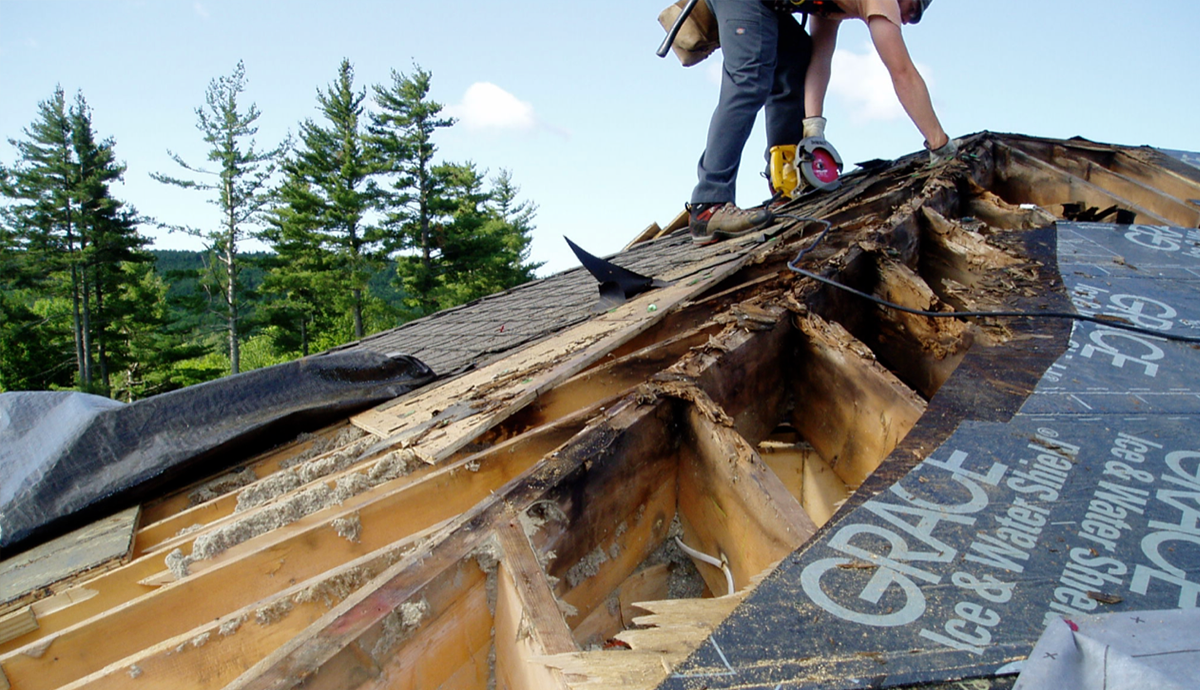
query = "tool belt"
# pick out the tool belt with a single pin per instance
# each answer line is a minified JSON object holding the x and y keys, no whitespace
{"x":698,"y":37}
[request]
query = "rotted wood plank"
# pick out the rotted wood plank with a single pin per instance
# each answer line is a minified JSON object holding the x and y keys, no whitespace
{"x":192,"y":508}
{"x":733,"y":505}
{"x":122,"y":585}
{"x":848,"y":406}
{"x":58,"y":564}
{"x":614,"y":377}
{"x":922,"y":350}
{"x":462,"y":408}
{"x":251,"y":570}
{"x":676,"y":628}
{"x":263,"y":465}
{"x":528,"y":620}
{"x":1172,"y":208}
{"x":211,"y":655}
{"x":306,"y":656}
{"x":1030,"y":178}
{"x":741,"y":370}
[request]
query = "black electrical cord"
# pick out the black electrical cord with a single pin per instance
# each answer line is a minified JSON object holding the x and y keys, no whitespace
{"x":1110,"y":322}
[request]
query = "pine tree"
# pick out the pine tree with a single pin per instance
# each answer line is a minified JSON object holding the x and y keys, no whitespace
{"x":64,"y":220}
{"x":32,"y":355}
{"x":109,"y":241}
{"x":327,"y":250}
{"x":403,"y":131}
{"x":516,"y":226}
{"x":240,"y":182}
{"x":151,"y":345}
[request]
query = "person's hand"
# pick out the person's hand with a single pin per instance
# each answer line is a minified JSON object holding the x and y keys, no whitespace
{"x":944,"y":154}
{"x":814,"y":127}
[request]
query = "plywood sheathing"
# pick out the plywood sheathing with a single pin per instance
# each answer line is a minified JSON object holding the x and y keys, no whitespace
{"x":58,"y":564}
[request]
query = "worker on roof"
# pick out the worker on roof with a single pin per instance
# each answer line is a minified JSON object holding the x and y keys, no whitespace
{"x":770,"y":60}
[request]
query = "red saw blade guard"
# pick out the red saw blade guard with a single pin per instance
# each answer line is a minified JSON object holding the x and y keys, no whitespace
{"x":820,"y":164}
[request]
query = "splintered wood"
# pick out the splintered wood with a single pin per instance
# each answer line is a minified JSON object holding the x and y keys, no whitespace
{"x":509,"y":527}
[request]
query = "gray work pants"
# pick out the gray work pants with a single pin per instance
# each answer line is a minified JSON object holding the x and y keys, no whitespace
{"x":765,"y":55}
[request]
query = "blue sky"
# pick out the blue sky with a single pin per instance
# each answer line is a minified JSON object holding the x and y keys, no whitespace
{"x":569,"y":96}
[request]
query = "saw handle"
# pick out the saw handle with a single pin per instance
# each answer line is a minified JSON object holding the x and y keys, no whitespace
{"x":683,"y":15}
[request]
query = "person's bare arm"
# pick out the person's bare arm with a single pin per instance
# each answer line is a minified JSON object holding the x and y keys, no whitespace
{"x":816,"y":81}
{"x":910,"y":86}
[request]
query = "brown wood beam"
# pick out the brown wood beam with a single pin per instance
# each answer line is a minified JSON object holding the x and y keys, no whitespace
{"x":1027,"y":178}
{"x":529,"y":623}
{"x":1152,"y":197}
{"x":848,"y":406}
{"x":249,"y":571}
{"x":921,"y":350}
{"x":352,"y":622}
{"x":733,"y":505}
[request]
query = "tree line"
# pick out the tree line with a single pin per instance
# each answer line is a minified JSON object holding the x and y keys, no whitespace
{"x":367,"y":229}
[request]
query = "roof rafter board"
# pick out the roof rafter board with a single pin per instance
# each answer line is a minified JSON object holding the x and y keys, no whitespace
{"x":246,"y":573}
{"x":560,"y":417}
{"x":458,"y":410}
{"x":156,"y":512}
{"x":1048,"y":185}
{"x":307,"y":655}
{"x":1167,"y":205}
{"x":628,"y":432}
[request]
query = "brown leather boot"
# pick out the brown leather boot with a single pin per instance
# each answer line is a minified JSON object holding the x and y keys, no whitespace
{"x":712,"y":222}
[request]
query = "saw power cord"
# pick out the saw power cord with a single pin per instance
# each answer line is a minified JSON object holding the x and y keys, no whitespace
{"x":1111,"y":322}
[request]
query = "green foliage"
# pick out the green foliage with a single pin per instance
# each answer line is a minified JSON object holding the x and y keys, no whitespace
{"x":455,"y":242}
{"x":327,"y":252}
{"x":240,"y":182}
{"x":367,"y":228}
{"x":65,"y":237}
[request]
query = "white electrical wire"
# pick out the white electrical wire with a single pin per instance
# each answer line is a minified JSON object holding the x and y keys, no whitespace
{"x":711,"y":560}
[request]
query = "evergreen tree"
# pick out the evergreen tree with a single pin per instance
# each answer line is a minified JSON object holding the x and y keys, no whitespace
{"x":109,"y":241}
{"x":32,"y":355}
{"x":515,"y":220}
{"x":327,"y":250}
{"x":64,"y":221}
{"x":240,"y":182}
{"x":403,"y":131}
{"x":152,"y":347}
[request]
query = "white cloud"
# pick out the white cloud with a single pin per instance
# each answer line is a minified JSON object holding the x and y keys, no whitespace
{"x":486,"y":106}
{"x":863,"y":85}
{"x":715,"y":69}
{"x":201,"y":10}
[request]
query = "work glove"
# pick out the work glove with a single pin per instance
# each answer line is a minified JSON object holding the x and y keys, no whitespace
{"x":814,"y":127}
{"x":942,"y":155}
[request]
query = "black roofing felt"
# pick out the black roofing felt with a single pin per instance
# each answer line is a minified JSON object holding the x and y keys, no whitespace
{"x":453,"y":340}
{"x":1086,"y":501}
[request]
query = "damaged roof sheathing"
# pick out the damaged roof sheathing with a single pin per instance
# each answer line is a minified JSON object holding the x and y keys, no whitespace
{"x":897,"y":499}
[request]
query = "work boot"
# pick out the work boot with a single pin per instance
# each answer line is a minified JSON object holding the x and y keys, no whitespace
{"x":711,"y":222}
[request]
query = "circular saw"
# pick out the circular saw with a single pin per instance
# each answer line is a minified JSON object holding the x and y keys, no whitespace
{"x":811,"y":164}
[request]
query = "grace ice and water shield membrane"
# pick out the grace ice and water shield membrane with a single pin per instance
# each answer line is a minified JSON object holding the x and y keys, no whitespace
{"x":1086,"y":502}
